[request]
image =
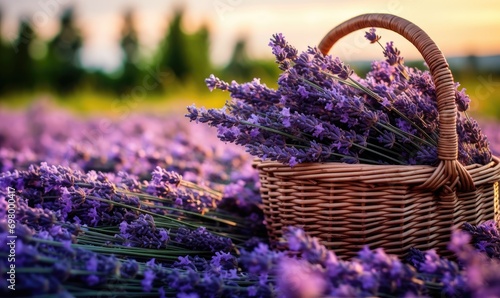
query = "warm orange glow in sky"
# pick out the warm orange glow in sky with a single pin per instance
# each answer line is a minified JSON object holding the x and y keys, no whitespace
{"x":459,"y":27}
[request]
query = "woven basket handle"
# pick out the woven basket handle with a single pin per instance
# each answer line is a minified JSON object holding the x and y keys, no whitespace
{"x":449,"y":168}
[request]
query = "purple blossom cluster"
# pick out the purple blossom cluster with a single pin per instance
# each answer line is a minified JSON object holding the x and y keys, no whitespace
{"x":53,"y":262}
{"x":135,"y":145}
{"x":372,"y":273}
{"x":63,"y":215}
{"x":142,"y":232}
{"x":201,"y":239}
{"x":486,"y":238}
{"x":474,"y":272}
{"x":490,"y":128}
{"x":307,"y":269}
{"x":322,"y":111}
{"x":55,"y":265}
{"x":219,"y":276}
{"x":54,"y":194}
{"x":166,"y":184}
{"x":65,"y":195}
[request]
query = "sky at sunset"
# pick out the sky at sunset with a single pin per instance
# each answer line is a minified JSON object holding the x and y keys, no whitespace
{"x":459,"y":27}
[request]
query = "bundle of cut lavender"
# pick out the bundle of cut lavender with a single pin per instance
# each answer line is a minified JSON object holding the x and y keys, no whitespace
{"x":322,"y":111}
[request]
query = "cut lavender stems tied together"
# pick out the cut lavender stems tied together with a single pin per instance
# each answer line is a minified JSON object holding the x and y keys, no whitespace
{"x":322,"y":112}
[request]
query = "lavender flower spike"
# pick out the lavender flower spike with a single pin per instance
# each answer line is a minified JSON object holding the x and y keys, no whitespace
{"x":283,"y":51}
{"x":371,"y":36}
{"x":215,"y":83}
{"x":298,"y":278}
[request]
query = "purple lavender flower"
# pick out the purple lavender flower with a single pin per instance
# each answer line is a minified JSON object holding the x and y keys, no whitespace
{"x":128,"y":182}
{"x":62,"y":270}
{"x":190,"y":295}
{"x":298,"y":278}
{"x":129,"y":268}
{"x":392,"y":54}
{"x":160,"y":176}
{"x":435,"y":269}
{"x":283,"y":52}
{"x":285,"y":113}
{"x":161,"y":292}
{"x":193,"y":283}
{"x":195,"y":263}
{"x":485,"y":237}
{"x":53,"y":177}
{"x":261,"y":261}
{"x":202,"y":239}
{"x":66,"y":201}
{"x":147,"y":282}
{"x":462,"y":99}
{"x":372,"y":273}
{"x":143,"y":232}
{"x":215,"y":83}
{"x":338,"y":68}
{"x":372,"y":36}
{"x":91,"y":266}
{"x":166,"y":184}
{"x":387,"y":139}
{"x":224,"y":260}
{"x":309,"y":247}
{"x":482,"y":272}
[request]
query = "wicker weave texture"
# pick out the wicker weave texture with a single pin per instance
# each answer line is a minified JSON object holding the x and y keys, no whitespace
{"x":390,"y":206}
{"x":348,"y":206}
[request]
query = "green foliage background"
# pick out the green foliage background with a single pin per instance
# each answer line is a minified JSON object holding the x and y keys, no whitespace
{"x":170,"y":79}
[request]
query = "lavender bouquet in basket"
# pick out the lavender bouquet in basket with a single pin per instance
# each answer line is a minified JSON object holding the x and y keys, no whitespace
{"x":322,"y":112}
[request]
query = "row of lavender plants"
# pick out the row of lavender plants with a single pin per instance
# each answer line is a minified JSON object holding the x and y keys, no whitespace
{"x":154,"y":207}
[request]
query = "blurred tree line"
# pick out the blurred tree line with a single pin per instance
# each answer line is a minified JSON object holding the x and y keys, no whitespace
{"x":29,"y":63}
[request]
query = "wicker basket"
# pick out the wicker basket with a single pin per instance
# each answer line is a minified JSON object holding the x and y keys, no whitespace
{"x":394,"y":207}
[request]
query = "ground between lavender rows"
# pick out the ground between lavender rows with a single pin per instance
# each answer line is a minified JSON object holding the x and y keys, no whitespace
{"x":157,"y":206}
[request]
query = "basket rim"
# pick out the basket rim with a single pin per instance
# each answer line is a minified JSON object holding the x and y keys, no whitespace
{"x":367,"y":173}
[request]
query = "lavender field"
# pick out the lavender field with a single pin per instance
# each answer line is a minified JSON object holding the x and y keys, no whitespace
{"x":156,"y":206}
{"x":123,"y":175}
